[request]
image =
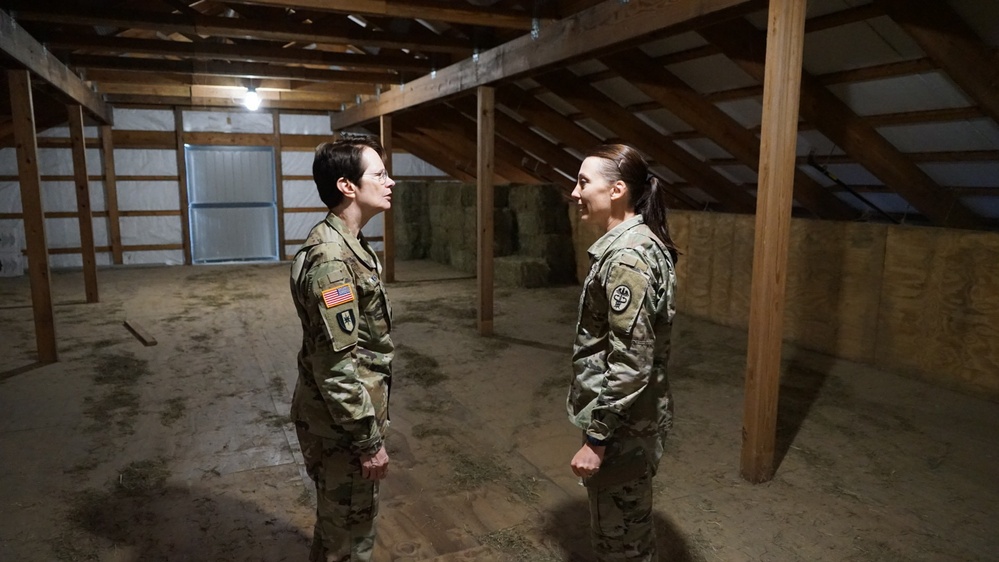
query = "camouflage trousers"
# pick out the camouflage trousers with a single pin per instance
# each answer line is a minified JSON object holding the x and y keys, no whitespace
{"x":346,"y":503}
{"x":621,"y":522}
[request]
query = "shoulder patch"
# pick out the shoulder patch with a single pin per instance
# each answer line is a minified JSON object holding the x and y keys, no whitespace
{"x":626,"y":288}
{"x":620,"y":297}
{"x":335,"y":296}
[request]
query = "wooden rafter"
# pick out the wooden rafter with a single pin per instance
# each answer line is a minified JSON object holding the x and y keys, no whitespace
{"x":671,"y":92}
{"x":953,"y":45}
{"x":603,"y":26}
{"x":242,"y":69}
{"x":453,"y":12}
{"x":21,"y":47}
{"x":244,"y":51}
{"x":608,"y":113}
{"x":237,"y":28}
{"x":746,"y":46}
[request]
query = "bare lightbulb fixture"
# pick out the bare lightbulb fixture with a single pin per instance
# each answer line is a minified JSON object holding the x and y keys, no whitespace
{"x":252,"y":99}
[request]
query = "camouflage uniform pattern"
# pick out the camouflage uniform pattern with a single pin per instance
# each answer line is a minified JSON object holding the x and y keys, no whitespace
{"x":621,"y":519}
{"x":620,"y":391}
{"x":340,"y":405}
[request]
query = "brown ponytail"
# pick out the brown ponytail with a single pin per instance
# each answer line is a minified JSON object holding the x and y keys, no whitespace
{"x":647,"y":195}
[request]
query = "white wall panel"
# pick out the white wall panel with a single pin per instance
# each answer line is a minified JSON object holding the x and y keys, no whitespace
{"x":712,"y":74}
{"x":63,"y":132}
{"x":230,"y":175}
{"x":738,"y":173}
{"x":405,"y":164}
{"x":137,"y":231}
{"x":985,"y":206}
{"x":663,"y":121}
{"x":10,"y":197}
{"x":978,"y":134}
{"x":297,"y":162}
{"x":148,"y":196}
{"x":62,"y":233}
{"x":748,"y":112}
{"x":143,"y":119}
{"x":293,"y":124}
{"x":228,"y":122}
{"x":301,"y":193}
{"x":298,"y":225}
{"x":964,"y":174}
{"x":145,"y":162}
{"x":857,"y":45}
{"x":59,"y":162}
{"x":164,"y":257}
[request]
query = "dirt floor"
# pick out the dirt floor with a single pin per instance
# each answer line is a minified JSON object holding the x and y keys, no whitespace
{"x":183,"y":451}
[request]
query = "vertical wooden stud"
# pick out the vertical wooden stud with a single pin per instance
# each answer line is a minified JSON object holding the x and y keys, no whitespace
{"x":83,"y":211}
{"x":388,"y":235}
{"x":785,"y":40}
{"x":22,"y":112}
{"x":111,"y":194}
{"x":279,"y":182}
{"x":185,"y":212}
{"x":484,"y":174}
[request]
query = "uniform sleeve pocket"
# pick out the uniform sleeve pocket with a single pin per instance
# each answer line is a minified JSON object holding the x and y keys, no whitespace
{"x":338,"y":309}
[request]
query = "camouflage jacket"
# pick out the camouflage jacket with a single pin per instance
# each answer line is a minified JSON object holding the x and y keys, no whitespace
{"x":345,"y":364}
{"x":620,"y":392}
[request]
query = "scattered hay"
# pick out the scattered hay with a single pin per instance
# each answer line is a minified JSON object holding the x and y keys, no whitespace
{"x":516,"y":547}
{"x":276,"y":385}
{"x":422,"y":370}
{"x":142,"y":478}
{"x":424,"y":430}
{"x":74,"y":546}
{"x":201,"y":337}
{"x":307,"y":498}
{"x":471,"y":472}
{"x":118,"y":404}
{"x":175,"y":408}
{"x":431,"y":405}
{"x":271,"y":419}
{"x":551,"y":384}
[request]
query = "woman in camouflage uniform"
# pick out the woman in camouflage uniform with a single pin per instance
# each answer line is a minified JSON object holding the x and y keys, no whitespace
{"x":620,"y":395}
{"x":340,"y":406}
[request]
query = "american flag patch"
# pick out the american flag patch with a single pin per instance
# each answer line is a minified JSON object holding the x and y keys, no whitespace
{"x":338,"y":295}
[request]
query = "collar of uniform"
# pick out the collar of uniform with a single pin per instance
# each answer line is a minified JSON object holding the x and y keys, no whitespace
{"x":598,"y":247}
{"x":352,"y":241}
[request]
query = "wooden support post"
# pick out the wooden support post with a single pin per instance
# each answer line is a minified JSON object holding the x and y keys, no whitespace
{"x":484,"y":176}
{"x":23,"y":114}
{"x":83,"y":211}
{"x":111,"y":194}
{"x":785,"y":40}
{"x":388,"y":236}
{"x":279,"y":182}
{"x":185,"y":213}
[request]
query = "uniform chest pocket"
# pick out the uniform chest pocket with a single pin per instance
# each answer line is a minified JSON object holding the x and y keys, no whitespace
{"x":374,"y":303}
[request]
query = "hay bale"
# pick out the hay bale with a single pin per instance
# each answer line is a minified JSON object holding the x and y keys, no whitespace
{"x":519,"y":271}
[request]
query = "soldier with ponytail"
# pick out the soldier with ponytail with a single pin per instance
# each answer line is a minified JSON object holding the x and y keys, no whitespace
{"x":619,"y":397}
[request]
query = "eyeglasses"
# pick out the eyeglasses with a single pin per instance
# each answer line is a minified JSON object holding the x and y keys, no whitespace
{"x":382,"y":176}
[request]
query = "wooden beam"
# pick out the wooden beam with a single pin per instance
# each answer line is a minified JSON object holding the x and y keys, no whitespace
{"x":241,"y":69}
{"x":111,"y":194}
{"x":785,"y":43}
{"x":459,"y":13}
{"x":84,"y":214}
{"x":185,"y":213}
{"x":570,"y":133}
{"x":385,"y":129}
{"x":278,"y":144}
{"x":953,"y":45}
{"x":181,"y":101}
{"x":601,"y":108}
{"x":601,"y":27}
{"x":683,"y":101}
{"x":244,"y":51}
{"x":16,"y":43}
{"x":22,"y":112}
{"x":484,"y":204}
{"x":241,"y":28}
{"x":742,"y":43}
{"x":433,"y":153}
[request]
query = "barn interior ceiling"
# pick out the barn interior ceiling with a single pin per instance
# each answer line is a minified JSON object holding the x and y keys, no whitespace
{"x":899,"y":103}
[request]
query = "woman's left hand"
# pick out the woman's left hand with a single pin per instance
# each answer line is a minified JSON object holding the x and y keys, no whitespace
{"x":586,"y":462}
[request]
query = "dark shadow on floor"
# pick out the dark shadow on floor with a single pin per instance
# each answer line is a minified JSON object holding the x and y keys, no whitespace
{"x":534,"y":344}
{"x":21,"y":370}
{"x":568,"y":526}
{"x":800,"y":387}
{"x":178,"y":524}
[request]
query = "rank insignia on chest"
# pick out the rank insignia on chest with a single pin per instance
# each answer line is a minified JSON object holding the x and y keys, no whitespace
{"x":338,"y":295}
{"x":620,"y":298}
{"x":346,"y":320}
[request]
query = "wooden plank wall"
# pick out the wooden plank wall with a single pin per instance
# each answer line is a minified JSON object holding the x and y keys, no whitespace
{"x":920,"y":301}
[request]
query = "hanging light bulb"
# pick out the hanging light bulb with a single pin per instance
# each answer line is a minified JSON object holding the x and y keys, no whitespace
{"x":252,"y":99}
